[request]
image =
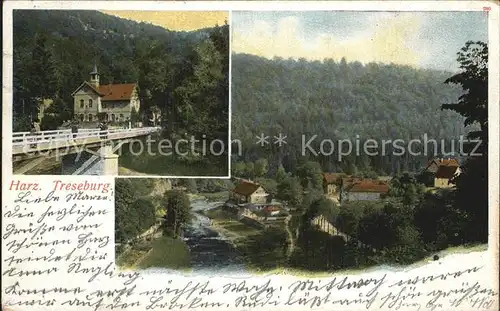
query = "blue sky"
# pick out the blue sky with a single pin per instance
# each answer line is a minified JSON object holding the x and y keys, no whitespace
{"x":420,"y":39}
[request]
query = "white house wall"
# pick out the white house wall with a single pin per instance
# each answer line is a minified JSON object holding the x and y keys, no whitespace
{"x":363,"y":196}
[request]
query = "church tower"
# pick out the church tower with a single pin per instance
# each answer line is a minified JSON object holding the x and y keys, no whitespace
{"x":94,"y":77}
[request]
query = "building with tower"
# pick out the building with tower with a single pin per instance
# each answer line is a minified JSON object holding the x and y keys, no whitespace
{"x":113,"y":103}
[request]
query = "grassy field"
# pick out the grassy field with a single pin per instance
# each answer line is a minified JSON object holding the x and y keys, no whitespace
{"x":164,"y":252}
{"x":215,"y":196}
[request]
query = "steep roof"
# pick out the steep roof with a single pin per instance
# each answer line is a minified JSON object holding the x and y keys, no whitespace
{"x":347,"y":181}
{"x":85,"y":83}
{"x":246,"y":188}
{"x":117,"y":91}
{"x":446,"y":171}
{"x":369,"y":186}
{"x":331,"y":178}
{"x":444,"y":162}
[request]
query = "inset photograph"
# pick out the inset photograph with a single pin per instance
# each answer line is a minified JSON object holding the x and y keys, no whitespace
{"x":137,"y":93}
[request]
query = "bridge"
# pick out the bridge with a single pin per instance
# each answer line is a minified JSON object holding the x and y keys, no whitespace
{"x":87,"y":152}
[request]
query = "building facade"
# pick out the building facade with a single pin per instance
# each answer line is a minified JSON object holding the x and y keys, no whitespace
{"x":365,"y":190}
{"x":110,"y":102}
{"x":444,"y":176}
{"x":249,"y":192}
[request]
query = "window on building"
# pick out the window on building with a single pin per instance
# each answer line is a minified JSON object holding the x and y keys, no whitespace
{"x":121,"y":117}
{"x":82,"y":117}
{"x":90,"y":117}
{"x":82,"y":103}
{"x":112,"y":118}
{"x":90,"y":103}
{"x":106,"y":117}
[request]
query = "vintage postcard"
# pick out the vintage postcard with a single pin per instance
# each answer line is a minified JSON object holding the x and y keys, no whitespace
{"x":141,"y":93}
{"x":364,"y":145}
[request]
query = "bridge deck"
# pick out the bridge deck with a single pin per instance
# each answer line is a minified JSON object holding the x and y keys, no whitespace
{"x":26,"y":142}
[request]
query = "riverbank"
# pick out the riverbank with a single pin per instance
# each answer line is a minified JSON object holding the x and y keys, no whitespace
{"x":227,"y":224}
{"x":209,"y":196}
{"x":262,"y":249}
{"x":162,"y":252}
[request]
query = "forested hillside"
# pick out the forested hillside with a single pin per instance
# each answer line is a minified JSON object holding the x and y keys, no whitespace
{"x":338,"y":100}
{"x":182,"y":74}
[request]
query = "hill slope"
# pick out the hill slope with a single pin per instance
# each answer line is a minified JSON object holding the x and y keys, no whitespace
{"x":336,"y":100}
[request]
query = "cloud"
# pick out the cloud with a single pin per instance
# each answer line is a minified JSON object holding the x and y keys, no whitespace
{"x":389,"y":37}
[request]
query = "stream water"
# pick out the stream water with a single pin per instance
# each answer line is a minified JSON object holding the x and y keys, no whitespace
{"x":210,"y":252}
{"x":209,"y":249}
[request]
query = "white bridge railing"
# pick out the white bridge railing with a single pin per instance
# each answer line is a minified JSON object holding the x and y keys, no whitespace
{"x":29,"y":138}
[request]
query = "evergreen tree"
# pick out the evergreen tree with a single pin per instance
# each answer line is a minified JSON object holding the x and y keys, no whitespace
{"x":41,"y":81}
{"x":290,"y":190}
{"x":281,"y":174}
{"x":178,"y":210}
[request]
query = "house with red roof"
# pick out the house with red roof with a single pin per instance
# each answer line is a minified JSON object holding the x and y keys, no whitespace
{"x":336,"y":183}
{"x":114,"y":102}
{"x":434,"y":164}
{"x":443,"y":170}
{"x":332,"y":183}
{"x":249,"y":192}
{"x":364,"y":190}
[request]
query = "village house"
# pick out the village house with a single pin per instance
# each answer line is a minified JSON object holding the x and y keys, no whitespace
{"x":111,"y":102}
{"x":364,"y":190}
{"x":249,"y":192}
{"x":434,"y":164}
{"x":443,"y":171}
{"x":331,"y":183}
{"x":335,"y":183}
{"x":444,"y":176}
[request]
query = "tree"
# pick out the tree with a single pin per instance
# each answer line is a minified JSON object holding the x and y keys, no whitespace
{"x":190,"y":184}
{"x":472,"y":183}
{"x":178,"y":210}
{"x":473,"y":79}
{"x":41,"y":68}
{"x":281,"y":174}
{"x":124,"y":216}
{"x":261,"y":167}
{"x":146,"y":213}
{"x":321,"y":206}
{"x":56,"y":114}
{"x":407,"y":188}
{"x":311,"y":175}
{"x":290,"y":191}
{"x":270,"y":185}
{"x":201,"y":101}
{"x":249,"y":170}
{"x":441,"y":221}
{"x":132,"y":215}
{"x":349,"y":217}
{"x":238,"y":169}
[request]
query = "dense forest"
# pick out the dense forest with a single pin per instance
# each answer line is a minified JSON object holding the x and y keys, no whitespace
{"x":338,"y":100}
{"x":182,"y":75}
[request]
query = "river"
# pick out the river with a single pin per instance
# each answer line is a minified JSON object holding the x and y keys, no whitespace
{"x":210,"y":252}
{"x":209,"y":249}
